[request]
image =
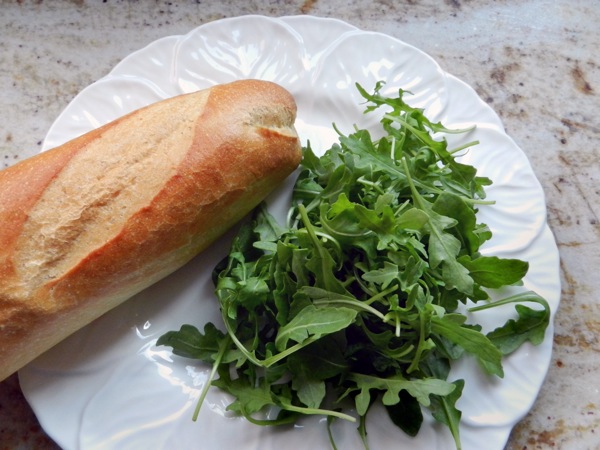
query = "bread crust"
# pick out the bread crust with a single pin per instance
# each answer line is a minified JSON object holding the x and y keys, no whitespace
{"x":91,"y":223}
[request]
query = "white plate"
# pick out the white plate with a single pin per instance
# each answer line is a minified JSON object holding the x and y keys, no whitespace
{"x":109,"y":387}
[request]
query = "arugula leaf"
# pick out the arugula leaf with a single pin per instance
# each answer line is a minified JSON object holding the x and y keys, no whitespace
{"x":314,"y":322}
{"x":407,"y":413}
{"x":494,"y":272}
{"x":383,"y":276}
{"x":466,"y":228}
{"x":420,"y":389}
{"x":443,"y":409}
{"x":249,"y":397}
{"x":189,"y":342}
{"x":471,"y":340}
{"x":530,"y":326}
{"x":355,"y":300}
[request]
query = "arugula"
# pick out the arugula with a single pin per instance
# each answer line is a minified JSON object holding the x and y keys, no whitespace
{"x":356,"y":300}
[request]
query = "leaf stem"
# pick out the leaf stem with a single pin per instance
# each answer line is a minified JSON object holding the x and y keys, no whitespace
{"x":356,"y":303}
{"x":366,"y":182}
{"x":237,"y":342}
{"x":415,"y":194}
{"x":324,"y":412}
{"x":523,"y":297}
{"x":223,"y":345}
{"x":415,"y":362}
{"x":381,"y":294}
{"x":462,"y":147}
{"x":268,"y":362}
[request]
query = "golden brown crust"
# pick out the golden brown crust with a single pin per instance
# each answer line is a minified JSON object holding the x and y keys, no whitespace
{"x":95,"y":221}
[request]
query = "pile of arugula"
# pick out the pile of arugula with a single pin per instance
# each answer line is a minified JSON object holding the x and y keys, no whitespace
{"x":357,"y":298}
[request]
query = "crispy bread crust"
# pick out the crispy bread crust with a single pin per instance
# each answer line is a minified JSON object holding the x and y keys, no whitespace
{"x":91,"y":223}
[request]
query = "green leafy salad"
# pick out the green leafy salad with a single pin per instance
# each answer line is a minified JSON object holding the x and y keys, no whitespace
{"x":362,"y":297}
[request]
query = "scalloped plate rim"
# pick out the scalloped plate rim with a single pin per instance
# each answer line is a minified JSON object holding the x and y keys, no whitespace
{"x":30,"y":372}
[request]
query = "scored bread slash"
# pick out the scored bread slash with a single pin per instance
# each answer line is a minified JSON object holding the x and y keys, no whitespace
{"x":98,"y":219}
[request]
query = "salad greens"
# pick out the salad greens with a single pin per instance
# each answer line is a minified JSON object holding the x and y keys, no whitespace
{"x":361,"y":297}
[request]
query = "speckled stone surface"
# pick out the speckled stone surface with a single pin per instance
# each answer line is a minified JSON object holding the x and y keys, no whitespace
{"x":536,"y":63}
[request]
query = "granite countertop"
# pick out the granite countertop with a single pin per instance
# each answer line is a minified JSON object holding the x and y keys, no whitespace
{"x":536,"y":63}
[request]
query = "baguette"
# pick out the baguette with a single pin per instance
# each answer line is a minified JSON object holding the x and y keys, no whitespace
{"x":88,"y":224}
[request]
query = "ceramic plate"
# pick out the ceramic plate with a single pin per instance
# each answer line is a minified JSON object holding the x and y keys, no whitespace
{"x":109,"y":387}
